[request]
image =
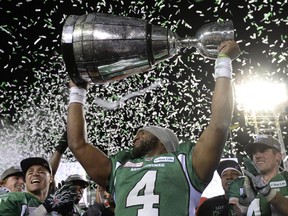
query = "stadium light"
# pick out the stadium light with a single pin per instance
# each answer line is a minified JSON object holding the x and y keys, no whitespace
{"x":260,"y":95}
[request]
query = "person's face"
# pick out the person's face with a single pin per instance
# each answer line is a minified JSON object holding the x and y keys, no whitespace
{"x":143,"y":143}
{"x":15,"y":183}
{"x":79,"y":191}
{"x":38,"y":179}
{"x":266,"y":159}
{"x":227,"y":177}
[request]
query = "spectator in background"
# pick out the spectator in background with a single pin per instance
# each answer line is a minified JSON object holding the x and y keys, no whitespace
{"x":80,"y":185}
{"x":12,"y":180}
{"x":228,"y":171}
{"x":35,"y":201}
{"x":78,"y":182}
{"x":241,"y":191}
{"x":104,"y":204}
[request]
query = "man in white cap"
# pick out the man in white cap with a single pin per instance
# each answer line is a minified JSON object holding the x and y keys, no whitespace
{"x":269,"y":184}
{"x":12,"y":180}
{"x":158,"y":177}
{"x":228,"y":170}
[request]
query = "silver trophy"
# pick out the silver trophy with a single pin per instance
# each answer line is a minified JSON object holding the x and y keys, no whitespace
{"x":100,"y":48}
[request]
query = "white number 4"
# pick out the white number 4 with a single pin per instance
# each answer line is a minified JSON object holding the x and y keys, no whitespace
{"x":147,"y":198}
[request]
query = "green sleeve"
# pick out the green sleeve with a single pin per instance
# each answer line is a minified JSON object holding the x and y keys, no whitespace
{"x":11,"y":204}
{"x":121,"y":157}
{"x":186,"y":148}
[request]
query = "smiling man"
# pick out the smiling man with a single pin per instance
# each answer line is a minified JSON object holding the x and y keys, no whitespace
{"x":38,"y":176}
{"x":270,"y":185}
{"x":12,"y":180}
{"x":36,"y":201}
{"x":228,"y":170}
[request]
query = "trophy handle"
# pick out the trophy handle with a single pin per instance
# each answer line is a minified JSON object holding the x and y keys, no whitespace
{"x":209,"y":37}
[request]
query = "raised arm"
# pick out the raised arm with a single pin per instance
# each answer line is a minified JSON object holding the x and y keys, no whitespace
{"x":57,"y":154}
{"x":93,"y":160}
{"x":208,"y":150}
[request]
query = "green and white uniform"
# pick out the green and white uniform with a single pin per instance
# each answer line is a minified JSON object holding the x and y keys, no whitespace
{"x":260,"y":206}
{"x":164,"y":185}
{"x":19,"y":204}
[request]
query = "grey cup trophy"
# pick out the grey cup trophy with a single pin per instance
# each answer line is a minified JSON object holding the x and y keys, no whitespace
{"x":100,"y":48}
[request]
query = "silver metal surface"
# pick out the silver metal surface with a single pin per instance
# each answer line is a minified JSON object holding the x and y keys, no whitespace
{"x":100,"y":48}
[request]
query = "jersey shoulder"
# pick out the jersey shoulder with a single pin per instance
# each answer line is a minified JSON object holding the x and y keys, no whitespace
{"x":185,"y":147}
{"x":13,"y":196}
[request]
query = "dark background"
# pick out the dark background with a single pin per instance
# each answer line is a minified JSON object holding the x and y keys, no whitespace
{"x":33,"y":90}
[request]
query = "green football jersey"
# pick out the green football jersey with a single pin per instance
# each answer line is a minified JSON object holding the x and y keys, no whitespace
{"x":164,"y":185}
{"x":19,"y":204}
{"x":260,"y":205}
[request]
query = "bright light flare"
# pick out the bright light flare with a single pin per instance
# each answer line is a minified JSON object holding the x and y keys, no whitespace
{"x":260,"y":95}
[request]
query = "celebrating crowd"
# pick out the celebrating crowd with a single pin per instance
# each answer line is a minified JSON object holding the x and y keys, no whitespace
{"x":30,"y":189}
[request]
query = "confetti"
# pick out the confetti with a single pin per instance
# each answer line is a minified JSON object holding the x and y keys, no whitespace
{"x":34,"y":97}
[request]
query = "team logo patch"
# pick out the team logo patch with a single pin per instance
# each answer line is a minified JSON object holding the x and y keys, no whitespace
{"x":164,"y":159}
{"x":130,"y":164}
{"x":278,"y":184}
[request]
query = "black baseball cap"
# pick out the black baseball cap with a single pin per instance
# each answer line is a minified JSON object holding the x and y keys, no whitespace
{"x":76,"y":179}
{"x":228,"y":165}
{"x":28,"y":162}
{"x":263,"y":139}
{"x":12,"y":171}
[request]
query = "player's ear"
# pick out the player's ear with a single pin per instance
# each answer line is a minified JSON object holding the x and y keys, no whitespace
{"x":279,"y":157}
{"x":51,"y":179}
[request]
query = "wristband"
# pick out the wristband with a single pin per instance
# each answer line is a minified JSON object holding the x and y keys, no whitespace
{"x":77,"y":95}
{"x":221,"y":55}
{"x":271,"y":195}
{"x":223,"y":68}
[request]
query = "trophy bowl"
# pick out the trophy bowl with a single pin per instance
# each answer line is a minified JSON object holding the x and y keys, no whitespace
{"x":101,"y":48}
